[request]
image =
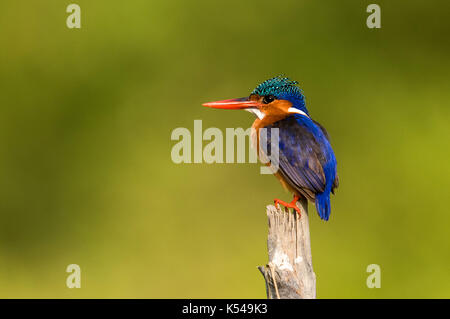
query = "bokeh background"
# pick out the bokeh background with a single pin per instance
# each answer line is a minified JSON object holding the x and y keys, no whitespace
{"x":86,"y":118}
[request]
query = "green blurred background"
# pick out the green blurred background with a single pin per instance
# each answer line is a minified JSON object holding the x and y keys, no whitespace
{"x":86,"y":118}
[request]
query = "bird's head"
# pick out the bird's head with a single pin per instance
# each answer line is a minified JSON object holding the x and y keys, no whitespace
{"x":272,"y":100}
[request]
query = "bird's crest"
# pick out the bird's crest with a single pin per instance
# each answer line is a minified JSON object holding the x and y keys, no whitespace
{"x":278,"y":85}
{"x":282,"y":88}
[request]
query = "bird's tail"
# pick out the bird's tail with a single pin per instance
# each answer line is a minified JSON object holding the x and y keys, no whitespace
{"x":323,"y":205}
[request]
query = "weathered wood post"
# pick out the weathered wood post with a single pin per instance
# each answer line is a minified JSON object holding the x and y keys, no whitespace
{"x":289,"y":273}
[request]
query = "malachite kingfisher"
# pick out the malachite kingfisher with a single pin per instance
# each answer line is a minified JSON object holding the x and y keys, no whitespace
{"x":307,"y":164}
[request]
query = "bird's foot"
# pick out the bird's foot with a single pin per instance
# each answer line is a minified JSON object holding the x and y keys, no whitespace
{"x":292,"y":204}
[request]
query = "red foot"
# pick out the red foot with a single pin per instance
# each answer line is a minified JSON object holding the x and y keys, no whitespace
{"x":292,"y":204}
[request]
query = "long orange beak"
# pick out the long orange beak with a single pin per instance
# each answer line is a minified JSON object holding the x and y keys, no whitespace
{"x":233,"y":104}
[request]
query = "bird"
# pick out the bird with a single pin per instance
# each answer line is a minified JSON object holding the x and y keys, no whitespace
{"x":307,"y":164}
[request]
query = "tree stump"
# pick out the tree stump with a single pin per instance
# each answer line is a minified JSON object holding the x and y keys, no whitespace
{"x":289,"y":273}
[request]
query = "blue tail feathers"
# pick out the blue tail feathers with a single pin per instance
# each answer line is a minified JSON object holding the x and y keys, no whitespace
{"x":323,"y":205}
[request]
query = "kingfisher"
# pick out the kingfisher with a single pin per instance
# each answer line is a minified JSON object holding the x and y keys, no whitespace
{"x":307,"y":165}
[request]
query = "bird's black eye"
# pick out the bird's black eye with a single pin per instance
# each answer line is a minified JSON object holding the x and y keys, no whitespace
{"x":268,"y":98}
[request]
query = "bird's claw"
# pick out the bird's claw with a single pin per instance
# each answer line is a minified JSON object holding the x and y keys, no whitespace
{"x":292,"y":204}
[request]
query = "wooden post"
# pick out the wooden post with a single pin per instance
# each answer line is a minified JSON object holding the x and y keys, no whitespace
{"x":289,"y":273}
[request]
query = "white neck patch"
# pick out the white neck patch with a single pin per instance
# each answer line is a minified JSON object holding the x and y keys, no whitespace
{"x":257,"y":112}
{"x":294,"y":110}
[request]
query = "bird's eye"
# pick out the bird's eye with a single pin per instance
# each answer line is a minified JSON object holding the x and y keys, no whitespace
{"x":268,"y":98}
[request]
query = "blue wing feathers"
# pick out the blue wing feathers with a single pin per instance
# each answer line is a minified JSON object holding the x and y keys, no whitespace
{"x":307,"y":161}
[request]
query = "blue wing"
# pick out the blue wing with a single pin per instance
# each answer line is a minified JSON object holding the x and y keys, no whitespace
{"x":306,"y":160}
